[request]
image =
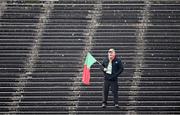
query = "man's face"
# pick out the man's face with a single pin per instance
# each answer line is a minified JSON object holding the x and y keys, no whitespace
{"x":111,"y":54}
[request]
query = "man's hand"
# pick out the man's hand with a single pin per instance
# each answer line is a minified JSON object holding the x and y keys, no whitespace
{"x":105,"y":69}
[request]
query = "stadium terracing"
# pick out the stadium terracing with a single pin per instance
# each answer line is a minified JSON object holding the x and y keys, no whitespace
{"x":43,"y":44}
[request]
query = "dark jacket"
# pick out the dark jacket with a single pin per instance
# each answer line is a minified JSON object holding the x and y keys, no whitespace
{"x":117,"y":69}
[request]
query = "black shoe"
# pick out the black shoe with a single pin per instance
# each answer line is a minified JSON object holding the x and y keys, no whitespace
{"x":103,"y":105}
{"x":116,"y":105}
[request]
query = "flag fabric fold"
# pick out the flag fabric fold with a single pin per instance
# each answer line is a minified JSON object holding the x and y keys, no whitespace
{"x":89,"y":61}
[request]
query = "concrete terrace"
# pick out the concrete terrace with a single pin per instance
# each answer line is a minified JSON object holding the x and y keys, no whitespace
{"x":43,"y":44}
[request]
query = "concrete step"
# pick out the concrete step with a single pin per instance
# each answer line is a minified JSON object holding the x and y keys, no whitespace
{"x":54,"y":86}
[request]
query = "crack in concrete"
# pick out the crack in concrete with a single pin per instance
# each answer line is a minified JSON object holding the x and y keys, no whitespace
{"x":31,"y":61}
{"x":2,"y":7}
{"x":89,"y":33}
{"x":139,"y":59}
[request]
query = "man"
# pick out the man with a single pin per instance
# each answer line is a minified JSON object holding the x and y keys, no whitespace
{"x":112,"y":69}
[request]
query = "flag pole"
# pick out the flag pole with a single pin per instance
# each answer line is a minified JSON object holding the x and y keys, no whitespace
{"x":99,"y":63}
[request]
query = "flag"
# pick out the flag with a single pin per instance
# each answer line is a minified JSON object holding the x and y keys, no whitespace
{"x":89,"y":61}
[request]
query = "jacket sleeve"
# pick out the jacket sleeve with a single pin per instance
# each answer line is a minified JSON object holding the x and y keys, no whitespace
{"x":106,"y":76}
{"x":121,"y":68}
{"x":103,"y":66}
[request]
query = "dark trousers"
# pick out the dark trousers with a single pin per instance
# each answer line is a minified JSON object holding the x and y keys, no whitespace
{"x":114,"y":89}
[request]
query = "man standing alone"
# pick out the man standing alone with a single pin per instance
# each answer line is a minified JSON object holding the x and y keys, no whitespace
{"x":112,"y":69}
